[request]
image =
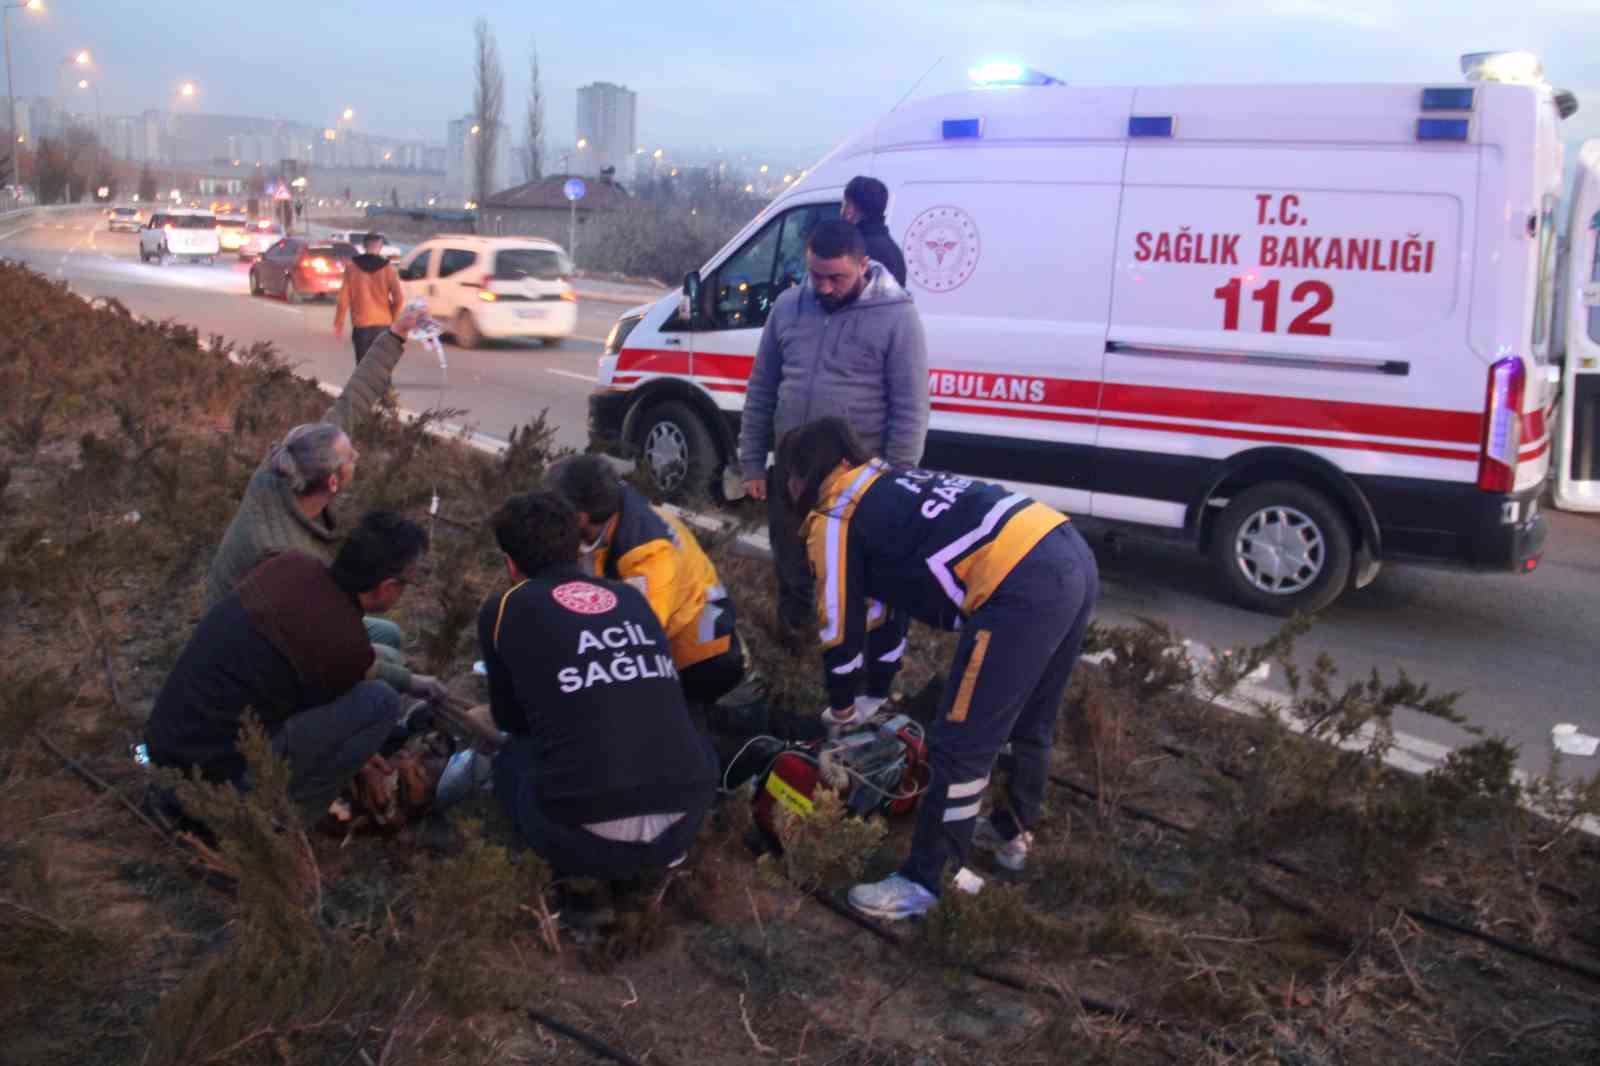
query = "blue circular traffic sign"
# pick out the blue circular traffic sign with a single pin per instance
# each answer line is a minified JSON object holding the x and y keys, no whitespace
{"x":574,"y":189}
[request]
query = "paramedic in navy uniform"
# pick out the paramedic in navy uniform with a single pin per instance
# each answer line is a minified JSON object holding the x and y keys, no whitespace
{"x":605,"y":775}
{"x":1009,"y":573}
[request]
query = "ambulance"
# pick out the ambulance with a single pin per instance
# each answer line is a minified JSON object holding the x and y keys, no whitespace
{"x":1307,"y":328}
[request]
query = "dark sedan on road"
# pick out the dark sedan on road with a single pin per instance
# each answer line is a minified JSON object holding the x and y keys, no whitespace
{"x":298,"y":269}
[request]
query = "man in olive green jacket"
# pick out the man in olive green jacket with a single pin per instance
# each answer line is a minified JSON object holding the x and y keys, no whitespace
{"x":285,"y":504}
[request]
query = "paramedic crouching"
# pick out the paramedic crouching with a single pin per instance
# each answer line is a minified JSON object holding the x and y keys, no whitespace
{"x":605,"y":775}
{"x":1009,"y":573}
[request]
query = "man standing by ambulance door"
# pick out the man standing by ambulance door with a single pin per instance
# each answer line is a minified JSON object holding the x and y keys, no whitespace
{"x":847,"y":341}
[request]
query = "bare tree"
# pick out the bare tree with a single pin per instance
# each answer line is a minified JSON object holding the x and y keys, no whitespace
{"x":533,"y":154}
{"x":488,"y":106}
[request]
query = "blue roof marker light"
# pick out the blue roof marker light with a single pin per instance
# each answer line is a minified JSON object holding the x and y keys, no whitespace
{"x":1451,"y":99}
{"x":1443,"y":129}
{"x":1151,"y":125}
{"x":962,"y":129}
{"x":1007,"y":72}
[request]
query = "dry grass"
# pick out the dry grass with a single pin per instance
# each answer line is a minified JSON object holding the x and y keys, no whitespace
{"x":431,"y":946}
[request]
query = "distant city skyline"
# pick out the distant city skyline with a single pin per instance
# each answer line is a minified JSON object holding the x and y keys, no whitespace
{"x":786,"y":84}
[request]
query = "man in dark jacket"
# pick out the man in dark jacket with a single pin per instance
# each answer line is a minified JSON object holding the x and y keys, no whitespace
{"x":846,"y":341}
{"x":605,"y":775}
{"x":289,"y":646}
{"x":371,"y":294}
{"x":866,"y":201}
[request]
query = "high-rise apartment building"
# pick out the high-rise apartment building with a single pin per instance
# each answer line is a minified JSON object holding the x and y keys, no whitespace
{"x":607,"y":130}
{"x":461,"y":163}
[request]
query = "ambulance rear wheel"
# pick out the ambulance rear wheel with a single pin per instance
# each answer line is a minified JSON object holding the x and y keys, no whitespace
{"x":1281,"y":547}
{"x":676,"y":445}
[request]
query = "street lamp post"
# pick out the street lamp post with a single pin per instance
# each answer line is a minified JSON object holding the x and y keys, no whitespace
{"x":186,"y":91}
{"x":11,"y":102}
{"x":99,"y":126}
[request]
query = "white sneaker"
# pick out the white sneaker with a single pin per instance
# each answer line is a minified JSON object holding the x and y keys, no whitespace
{"x":893,"y":898}
{"x":1011,"y":854}
{"x":855,"y":717}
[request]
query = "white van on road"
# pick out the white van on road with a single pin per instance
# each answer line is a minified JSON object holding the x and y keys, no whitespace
{"x":494,"y":288}
{"x":1305,"y":327}
{"x":179,"y":234}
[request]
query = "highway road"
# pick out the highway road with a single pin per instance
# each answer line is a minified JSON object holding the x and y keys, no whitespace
{"x":503,"y":385}
{"x":1521,"y":649}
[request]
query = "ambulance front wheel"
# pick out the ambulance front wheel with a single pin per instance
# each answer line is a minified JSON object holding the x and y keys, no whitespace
{"x":1281,"y":547}
{"x":676,"y":445}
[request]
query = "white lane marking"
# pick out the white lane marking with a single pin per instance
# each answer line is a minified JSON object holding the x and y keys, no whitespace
{"x":570,"y":374}
{"x":295,"y":311}
{"x":19,"y":229}
{"x":591,"y":340}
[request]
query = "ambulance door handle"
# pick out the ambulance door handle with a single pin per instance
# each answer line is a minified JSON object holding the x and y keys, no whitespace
{"x":673,"y":341}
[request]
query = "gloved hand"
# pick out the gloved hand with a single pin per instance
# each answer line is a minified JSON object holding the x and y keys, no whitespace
{"x":427,"y":688}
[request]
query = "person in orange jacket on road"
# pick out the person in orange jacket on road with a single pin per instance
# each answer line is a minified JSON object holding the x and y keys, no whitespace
{"x":371,"y":295}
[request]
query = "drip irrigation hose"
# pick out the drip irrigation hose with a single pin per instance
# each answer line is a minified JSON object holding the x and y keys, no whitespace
{"x":1572,"y":966}
{"x":593,"y":1043}
{"x":1017,"y":984}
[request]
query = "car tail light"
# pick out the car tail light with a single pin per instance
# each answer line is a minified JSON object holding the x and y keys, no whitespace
{"x":1502,"y":426}
{"x":569,"y":295}
{"x":486,"y":296}
{"x":320,"y":265}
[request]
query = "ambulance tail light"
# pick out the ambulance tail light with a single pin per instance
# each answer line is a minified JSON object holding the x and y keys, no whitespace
{"x":1502,"y":426}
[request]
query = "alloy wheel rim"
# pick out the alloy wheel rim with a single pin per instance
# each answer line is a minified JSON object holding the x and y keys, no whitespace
{"x":667,"y":450}
{"x":1280,"y":550}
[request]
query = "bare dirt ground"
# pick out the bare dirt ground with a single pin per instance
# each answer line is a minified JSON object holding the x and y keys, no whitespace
{"x":1206,"y":887}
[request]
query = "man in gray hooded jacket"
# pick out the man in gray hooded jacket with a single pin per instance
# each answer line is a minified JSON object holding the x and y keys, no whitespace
{"x":845,"y":342}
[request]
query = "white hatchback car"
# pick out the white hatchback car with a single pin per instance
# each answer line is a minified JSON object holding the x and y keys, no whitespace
{"x":494,"y":288}
{"x":358,"y":237}
{"x":178,"y":234}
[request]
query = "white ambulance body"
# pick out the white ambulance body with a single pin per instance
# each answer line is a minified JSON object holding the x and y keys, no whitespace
{"x":1305,"y":326}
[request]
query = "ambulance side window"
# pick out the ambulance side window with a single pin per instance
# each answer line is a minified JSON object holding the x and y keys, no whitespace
{"x":741,"y":293}
{"x":1545,"y":294}
{"x":774,"y":259}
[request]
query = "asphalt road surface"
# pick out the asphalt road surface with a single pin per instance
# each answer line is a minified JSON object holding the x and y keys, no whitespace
{"x":1522,"y":650}
{"x":503,"y":385}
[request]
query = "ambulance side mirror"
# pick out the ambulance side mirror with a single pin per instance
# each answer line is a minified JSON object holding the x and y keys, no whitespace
{"x":690,"y":301}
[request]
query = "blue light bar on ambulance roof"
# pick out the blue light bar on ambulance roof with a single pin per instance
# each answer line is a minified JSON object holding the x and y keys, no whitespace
{"x":1005,"y":72}
{"x":1451,"y":99}
{"x":960,"y":129}
{"x":1443,"y":129}
{"x":1150,"y":125}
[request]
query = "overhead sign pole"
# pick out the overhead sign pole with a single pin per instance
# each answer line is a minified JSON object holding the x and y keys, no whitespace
{"x":573,"y":190}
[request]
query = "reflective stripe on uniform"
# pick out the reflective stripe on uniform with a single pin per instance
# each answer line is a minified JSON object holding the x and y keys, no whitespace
{"x":707,"y":629}
{"x":969,"y":678}
{"x":940,"y":561}
{"x":961,"y":814}
{"x":894,"y":656}
{"x":835,"y":531}
{"x":501,"y":613}
{"x":850,"y":667}
{"x":966,"y":788}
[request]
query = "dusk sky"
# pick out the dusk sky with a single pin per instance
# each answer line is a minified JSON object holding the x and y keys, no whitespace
{"x":784,"y":79}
